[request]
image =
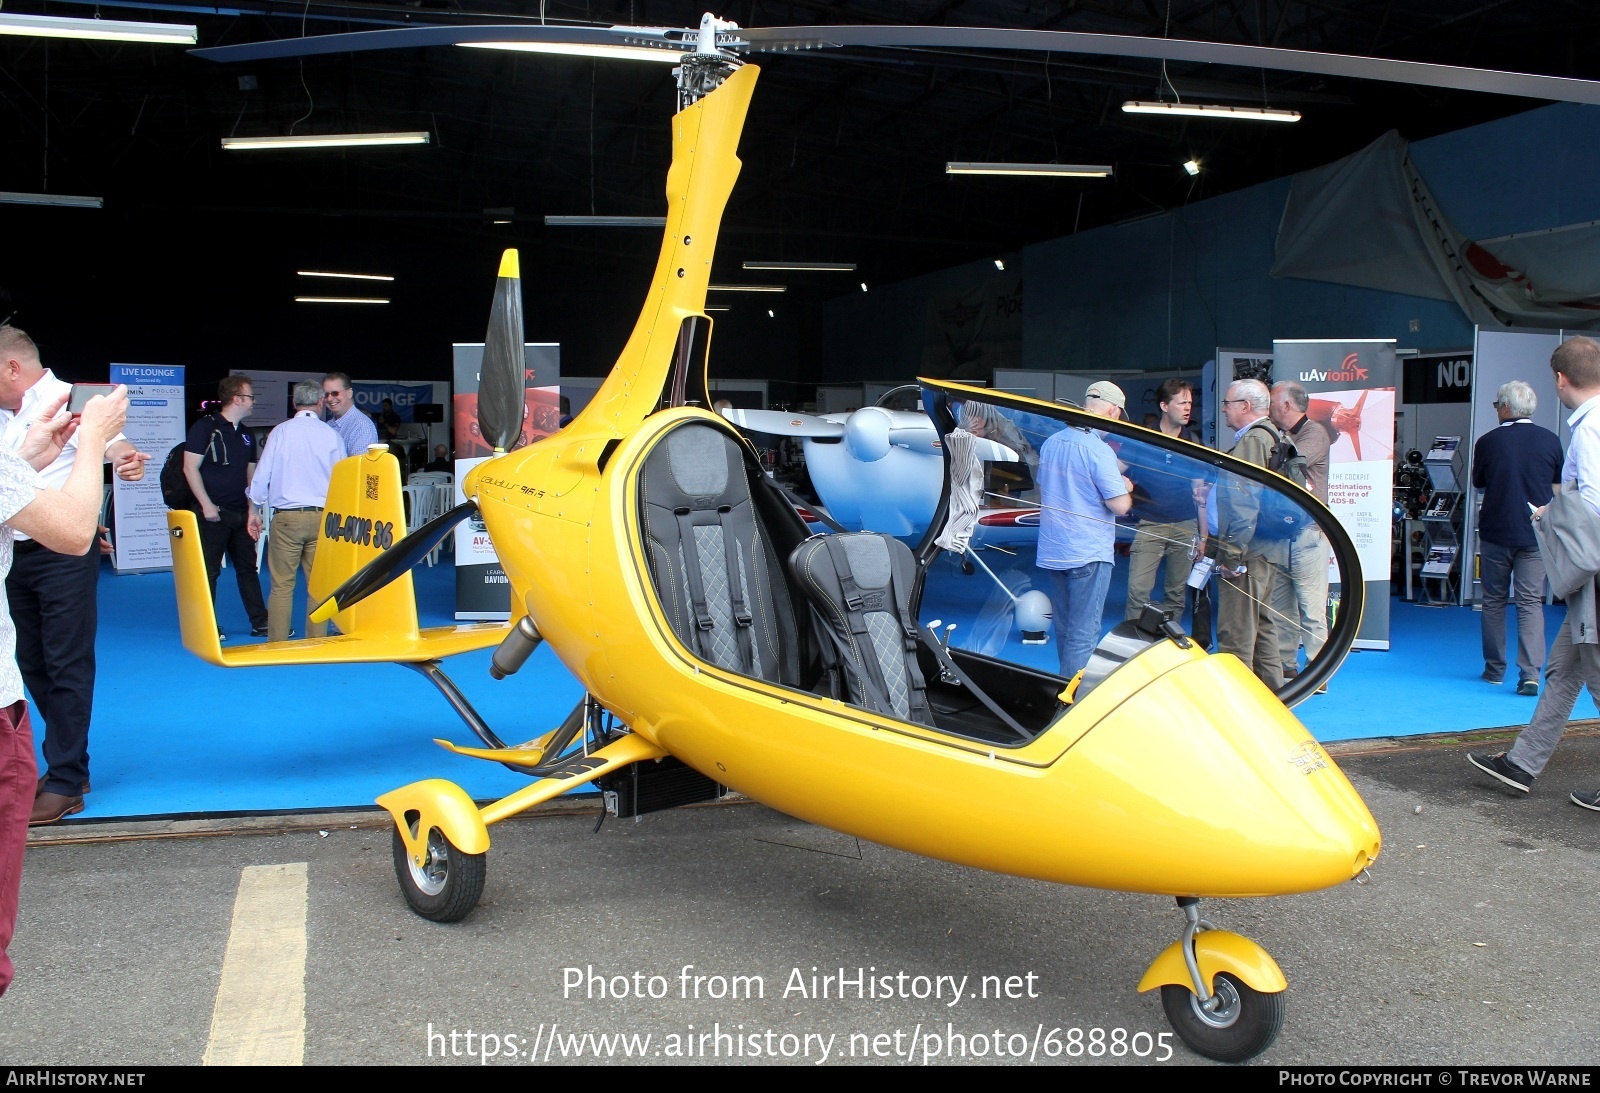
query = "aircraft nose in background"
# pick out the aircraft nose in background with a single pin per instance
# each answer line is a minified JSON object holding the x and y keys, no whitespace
{"x":867,"y":434}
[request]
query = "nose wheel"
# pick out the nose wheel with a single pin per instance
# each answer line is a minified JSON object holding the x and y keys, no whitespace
{"x":441,"y":883}
{"x":1225,"y":1019}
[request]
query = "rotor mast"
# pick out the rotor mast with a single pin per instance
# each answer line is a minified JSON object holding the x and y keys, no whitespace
{"x":711,"y":62}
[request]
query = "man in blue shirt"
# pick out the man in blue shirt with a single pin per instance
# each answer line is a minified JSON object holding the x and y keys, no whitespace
{"x":1514,"y":465}
{"x":1165,"y":505}
{"x":354,"y":428}
{"x":1081,"y":493}
{"x":1574,"y":660}
{"x":292,"y":477}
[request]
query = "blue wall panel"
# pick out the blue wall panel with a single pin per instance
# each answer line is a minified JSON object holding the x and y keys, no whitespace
{"x":1165,"y":291}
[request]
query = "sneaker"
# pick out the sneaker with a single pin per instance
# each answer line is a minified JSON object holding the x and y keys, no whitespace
{"x":1487,"y":678}
{"x":1586,"y":798}
{"x":1498,"y":766}
{"x":220,"y":635}
{"x":1528,"y":687}
{"x":258,"y":631}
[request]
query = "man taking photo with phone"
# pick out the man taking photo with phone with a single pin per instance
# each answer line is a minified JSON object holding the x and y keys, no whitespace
{"x":52,"y":595}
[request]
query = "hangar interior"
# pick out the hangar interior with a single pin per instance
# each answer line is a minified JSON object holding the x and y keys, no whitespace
{"x":192,"y":254}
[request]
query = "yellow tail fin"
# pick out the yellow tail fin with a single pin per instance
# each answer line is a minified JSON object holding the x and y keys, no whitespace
{"x":364,"y":516}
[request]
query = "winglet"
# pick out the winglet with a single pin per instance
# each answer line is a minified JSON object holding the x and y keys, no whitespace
{"x":197,"y":622}
{"x":510,"y":264}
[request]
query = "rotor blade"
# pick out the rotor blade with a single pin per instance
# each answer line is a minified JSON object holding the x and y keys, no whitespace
{"x":503,"y":375}
{"x":677,"y":41}
{"x":392,"y":563}
{"x":779,"y":423}
{"x":1493,"y":81}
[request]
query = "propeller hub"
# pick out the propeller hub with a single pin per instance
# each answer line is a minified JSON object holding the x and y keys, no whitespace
{"x":866,"y":434}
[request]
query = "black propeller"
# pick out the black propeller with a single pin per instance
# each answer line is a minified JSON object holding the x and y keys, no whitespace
{"x":795,"y":39}
{"x":503,"y":375}
{"x":502,"y":395}
{"x":393,"y":562}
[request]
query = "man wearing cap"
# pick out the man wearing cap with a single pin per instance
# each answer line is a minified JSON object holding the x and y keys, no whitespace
{"x":1081,"y":492}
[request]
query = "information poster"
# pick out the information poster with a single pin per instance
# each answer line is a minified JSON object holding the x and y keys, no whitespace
{"x":1352,"y":385}
{"x":155,"y":425}
{"x":482,"y":590}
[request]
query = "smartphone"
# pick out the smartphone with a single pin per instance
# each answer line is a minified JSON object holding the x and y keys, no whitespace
{"x":83,"y":392}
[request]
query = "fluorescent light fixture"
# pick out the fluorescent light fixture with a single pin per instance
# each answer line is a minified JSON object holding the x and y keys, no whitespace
{"x":771,"y":314}
{"x":863,"y":286}
{"x":603,"y":52}
{"x":345,"y":276}
{"x":605,"y":221}
{"x":325,"y":140}
{"x":719,"y":307}
{"x":7,"y":198}
{"x":1056,"y":170}
{"x":103,"y":30}
{"x":1000,"y":264}
{"x":825,"y":267}
{"x":748,"y":288}
{"x":500,"y":214}
{"x":341,"y":299}
{"x":1192,"y":166}
{"x":1211,"y":110}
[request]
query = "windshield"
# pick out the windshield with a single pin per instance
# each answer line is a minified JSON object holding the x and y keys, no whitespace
{"x":1062,"y":530}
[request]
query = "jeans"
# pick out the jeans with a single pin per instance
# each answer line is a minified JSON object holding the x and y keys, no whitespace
{"x":1077,"y":607}
{"x":1504,"y":571}
{"x":1571,"y":668}
{"x":1301,"y":600}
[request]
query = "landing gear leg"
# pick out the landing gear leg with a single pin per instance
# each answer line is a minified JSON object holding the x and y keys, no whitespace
{"x":1228,"y":1020}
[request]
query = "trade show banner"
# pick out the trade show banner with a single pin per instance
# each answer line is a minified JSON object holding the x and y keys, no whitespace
{"x":155,"y":425}
{"x":482,"y":590}
{"x":1352,"y":384}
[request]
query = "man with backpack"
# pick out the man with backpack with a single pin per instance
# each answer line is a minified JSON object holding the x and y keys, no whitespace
{"x":218,"y":462}
{"x":1250,"y":551}
{"x":1304,"y":596}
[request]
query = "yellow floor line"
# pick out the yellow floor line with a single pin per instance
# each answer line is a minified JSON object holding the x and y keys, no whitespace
{"x":260,"y":1014}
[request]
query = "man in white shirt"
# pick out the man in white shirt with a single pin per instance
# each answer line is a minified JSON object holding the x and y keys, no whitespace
{"x":52,"y":595}
{"x":292,"y":476}
{"x":62,"y":520}
{"x":354,"y":428}
{"x":1571,"y":665}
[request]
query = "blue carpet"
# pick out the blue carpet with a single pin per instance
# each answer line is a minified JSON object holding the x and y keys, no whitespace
{"x":173,"y":736}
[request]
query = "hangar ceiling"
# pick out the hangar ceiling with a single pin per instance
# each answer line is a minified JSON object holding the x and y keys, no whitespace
{"x":843,"y":155}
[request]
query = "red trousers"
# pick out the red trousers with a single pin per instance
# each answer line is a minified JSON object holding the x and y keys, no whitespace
{"x":19,"y":777}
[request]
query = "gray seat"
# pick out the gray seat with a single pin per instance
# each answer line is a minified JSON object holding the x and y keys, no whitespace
{"x":713,"y":565}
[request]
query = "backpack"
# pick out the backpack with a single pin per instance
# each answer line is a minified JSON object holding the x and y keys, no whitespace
{"x":175,"y":489}
{"x":1281,"y":517}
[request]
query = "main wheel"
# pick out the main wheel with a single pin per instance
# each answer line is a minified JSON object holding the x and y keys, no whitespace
{"x":447,"y":885}
{"x":1243,"y":1024}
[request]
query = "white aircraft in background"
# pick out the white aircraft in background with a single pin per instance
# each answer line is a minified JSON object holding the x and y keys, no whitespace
{"x":874,"y":468}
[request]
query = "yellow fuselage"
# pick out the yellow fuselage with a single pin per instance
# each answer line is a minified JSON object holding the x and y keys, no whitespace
{"x":1180,"y":774}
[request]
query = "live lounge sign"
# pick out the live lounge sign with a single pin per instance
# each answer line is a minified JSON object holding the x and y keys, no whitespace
{"x":1438,"y":377}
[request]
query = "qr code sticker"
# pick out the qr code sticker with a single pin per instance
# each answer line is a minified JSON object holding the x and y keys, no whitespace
{"x":372,"y":487}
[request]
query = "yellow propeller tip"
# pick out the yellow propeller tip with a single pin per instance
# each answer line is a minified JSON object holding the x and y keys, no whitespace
{"x":510,"y":264}
{"x":326,"y":611}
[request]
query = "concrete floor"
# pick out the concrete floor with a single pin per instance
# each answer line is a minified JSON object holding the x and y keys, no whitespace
{"x":1473,"y":943}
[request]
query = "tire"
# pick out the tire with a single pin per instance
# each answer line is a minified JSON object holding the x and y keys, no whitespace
{"x":1245,"y":1027}
{"x":447,"y":886}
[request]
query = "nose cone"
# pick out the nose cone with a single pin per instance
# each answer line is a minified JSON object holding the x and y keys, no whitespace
{"x":866,"y":434}
{"x":1206,"y":785}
